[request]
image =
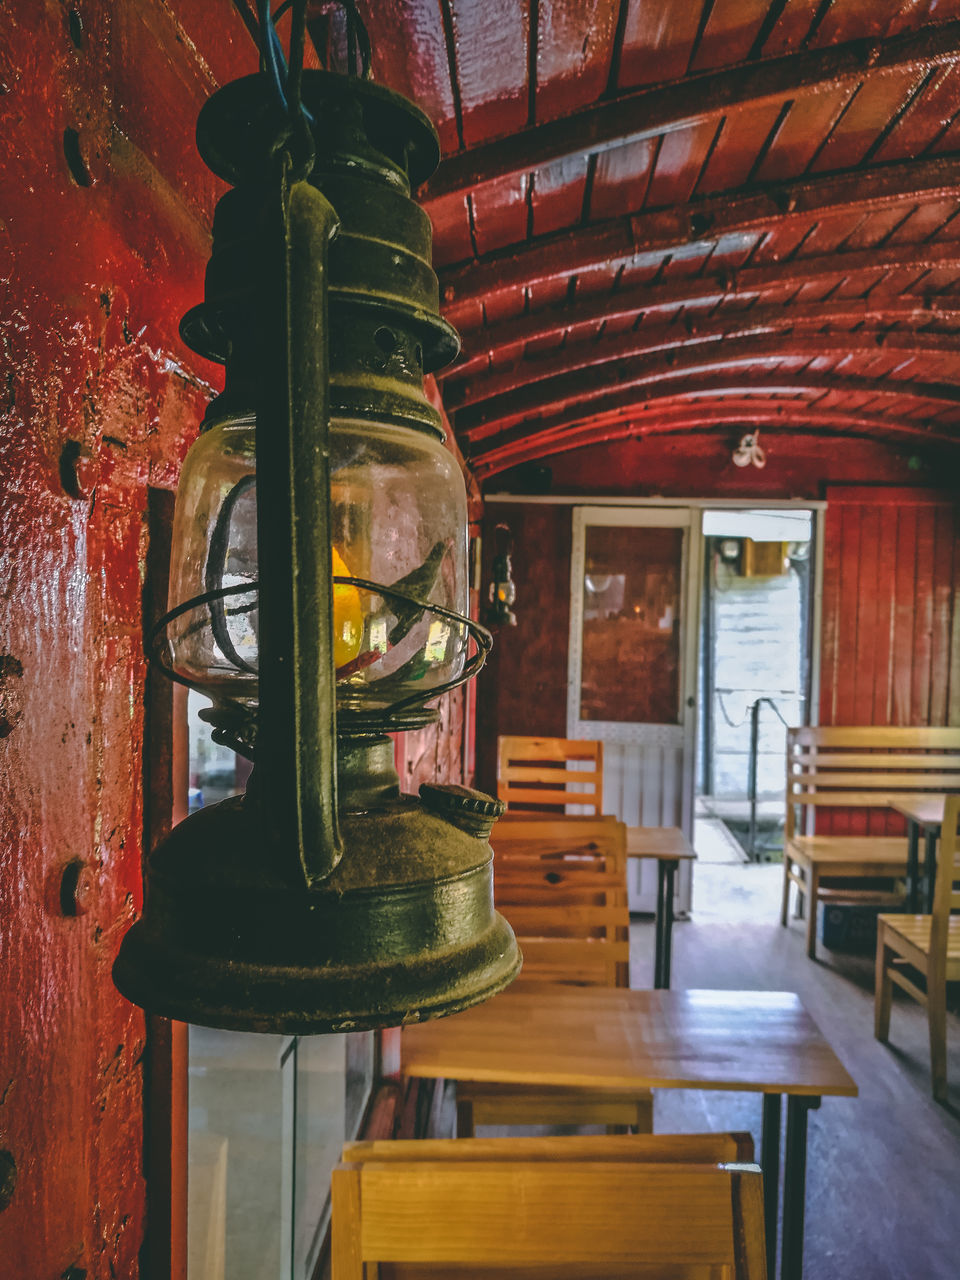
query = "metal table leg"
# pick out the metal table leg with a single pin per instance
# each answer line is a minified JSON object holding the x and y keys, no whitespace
{"x":913,"y":866}
{"x":794,"y":1185}
{"x":666,"y":867}
{"x":770,"y":1167}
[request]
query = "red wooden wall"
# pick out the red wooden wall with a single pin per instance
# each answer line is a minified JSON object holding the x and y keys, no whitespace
{"x":891,"y":608}
{"x":891,"y":619}
{"x":104,"y":237}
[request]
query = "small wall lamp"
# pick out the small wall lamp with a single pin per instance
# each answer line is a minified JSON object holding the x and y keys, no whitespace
{"x":503,"y":589}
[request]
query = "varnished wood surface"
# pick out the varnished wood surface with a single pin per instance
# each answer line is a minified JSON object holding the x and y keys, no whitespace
{"x":498,"y":1211}
{"x":745,"y":1040}
{"x":925,"y":811}
{"x":853,"y":855}
{"x":658,"y":842}
{"x":659,"y":1148}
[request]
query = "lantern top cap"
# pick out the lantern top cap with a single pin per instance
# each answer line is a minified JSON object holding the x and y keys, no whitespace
{"x":356,"y":122}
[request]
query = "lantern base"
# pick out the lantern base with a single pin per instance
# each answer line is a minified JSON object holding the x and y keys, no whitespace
{"x":403,"y":930}
{"x":239,"y":996}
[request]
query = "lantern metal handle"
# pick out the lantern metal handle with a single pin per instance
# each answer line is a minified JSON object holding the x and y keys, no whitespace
{"x":296,"y":730}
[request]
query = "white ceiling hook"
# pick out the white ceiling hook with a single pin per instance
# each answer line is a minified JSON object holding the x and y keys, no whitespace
{"x":749,"y":451}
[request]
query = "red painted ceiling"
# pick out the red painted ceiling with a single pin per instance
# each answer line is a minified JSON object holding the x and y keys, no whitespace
{"x":670,"y":215}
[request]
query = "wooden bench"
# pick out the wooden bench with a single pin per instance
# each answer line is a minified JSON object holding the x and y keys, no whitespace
{"x":859,"y":768}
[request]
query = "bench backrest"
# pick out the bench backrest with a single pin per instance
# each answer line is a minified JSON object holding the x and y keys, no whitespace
{"x":867,"y":766}
{"x":547,"y":774}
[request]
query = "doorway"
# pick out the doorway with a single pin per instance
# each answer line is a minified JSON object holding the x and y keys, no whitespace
{"x":756,"y":675}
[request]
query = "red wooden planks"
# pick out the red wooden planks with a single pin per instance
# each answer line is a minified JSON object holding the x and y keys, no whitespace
{"x":575,"y":41}
{"x":491,"y":52}
{"x":658,"y":40}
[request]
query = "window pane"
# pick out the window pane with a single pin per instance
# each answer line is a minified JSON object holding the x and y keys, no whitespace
{"x":238,"y":1156}
{"x":631,"y":625}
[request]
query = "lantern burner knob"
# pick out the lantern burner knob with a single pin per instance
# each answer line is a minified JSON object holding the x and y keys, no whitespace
{"x":471,"y":811}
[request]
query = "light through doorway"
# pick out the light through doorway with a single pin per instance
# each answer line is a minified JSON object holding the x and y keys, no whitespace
{"x":756,"y":675}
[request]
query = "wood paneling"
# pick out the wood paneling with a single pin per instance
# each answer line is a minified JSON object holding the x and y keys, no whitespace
{"x":891,"y":605}
{"x":891,"y":613}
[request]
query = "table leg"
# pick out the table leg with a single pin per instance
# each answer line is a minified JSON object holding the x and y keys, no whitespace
{"x":658,"y":927}
{"x":913,"y":867}
{"x":668,"y":924}
{"x":770,"y":1166}
{"x":663,"y":925}
{"x":929,"y":869}
{"x":794,"y":1185}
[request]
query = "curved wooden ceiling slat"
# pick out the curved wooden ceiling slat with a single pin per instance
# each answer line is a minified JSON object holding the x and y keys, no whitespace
{"x":789,"y":322}
{"x":667,"y":215}
{"x":669,"y":108}
{"x":583,"y":386}
{"x":642,"y":235}
{"x":664,"y":415}
{"x":866,"y":267}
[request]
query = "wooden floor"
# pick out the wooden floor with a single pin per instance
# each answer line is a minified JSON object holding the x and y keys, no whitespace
{"x":883,"y":1198}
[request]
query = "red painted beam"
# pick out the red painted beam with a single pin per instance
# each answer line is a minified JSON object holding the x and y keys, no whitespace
{"x":583,"y":387}
{"x":695,"y":100}
{"x":642,"y":238}
{"x":749,"y":324}
{"x":667,"y":417}
{"x":716,"y":287}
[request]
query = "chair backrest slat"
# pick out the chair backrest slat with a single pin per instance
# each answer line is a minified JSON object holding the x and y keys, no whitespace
{"x":534,"y":774}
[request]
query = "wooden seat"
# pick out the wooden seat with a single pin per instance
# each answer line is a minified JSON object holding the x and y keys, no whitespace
{"x":559,"y":1207}
{"x":561,"y":883}
{"x":928,"y":946}
{"x":541,"y":775}
{"x":863,"y":769}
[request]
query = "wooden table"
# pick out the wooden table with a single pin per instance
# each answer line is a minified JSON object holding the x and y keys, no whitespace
{"x":669,"y":846}
{"x":760,"y":1041}
{"x":923,"y":813}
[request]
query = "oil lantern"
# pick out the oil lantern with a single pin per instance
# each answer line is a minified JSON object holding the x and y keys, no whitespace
{"x":318,"y":592}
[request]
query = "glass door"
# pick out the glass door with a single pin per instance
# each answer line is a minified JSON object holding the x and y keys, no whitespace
{"x":632,"y":659}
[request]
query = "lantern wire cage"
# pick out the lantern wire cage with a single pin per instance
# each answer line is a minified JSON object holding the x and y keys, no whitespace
{"x":235,"y":720}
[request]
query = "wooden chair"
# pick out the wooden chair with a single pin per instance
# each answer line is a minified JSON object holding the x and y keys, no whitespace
{"x":561,"y":883}
{"x":863,"y":768}
{"x":558,"y":1207}
{"x":929,"y":945}
{"x":534,"y":774}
